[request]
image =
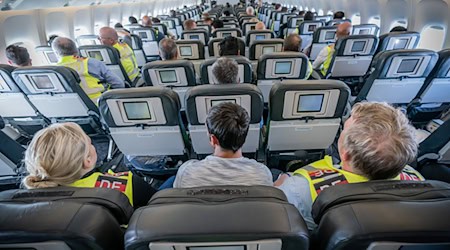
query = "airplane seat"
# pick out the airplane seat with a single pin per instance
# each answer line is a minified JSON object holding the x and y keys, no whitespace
{"x":232,"y":25}
{"x":58,"y":225}
{"x":337,"y":22}
{"x":161,"y":28}
{"x":200,"y":99}
{"x":56,"y":93}
{"x":176,"y":74}
{"x":352,"y":57}
{"x":11,"y":156}
{"x":112,"y":200}
{"x":47,"y":55}
{"x":198,"y":34}
{"x":279,"y":66}
{"x":205,"y":27}
{"x":192,"y":50}
{"x":15,"y":108}
{"x":149,"y":41}
{"x":109,"y":56}
{"x":244,"y":65}
{"x":365,"y":29}
{"x":152,"y":113}
{"x":244,"y":18}
{"x":305,"y":115}
{"x":171,"y":24}
{"x":276,"y":22}
{"x":398,"y":40}
{"x":257,"y":35}
{"x":306,"y":31}
{"x":87,"y":40}
{"x":224,"y":32}
{"x":248,"y":26}
{"x":398,"y":75}
{"x":138,"y":50}
{"x":322,"y":37}
{"x":262,"y":47}
{"x":213,"y":47}
{"x":383,"y":214}
{"x":293,"y":24}
{"x":221,"y":217}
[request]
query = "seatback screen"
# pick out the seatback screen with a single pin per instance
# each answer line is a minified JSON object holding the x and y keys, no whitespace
{"x":219,"y":101}
{"x":52,"y":57}
{"x":283,"y":67}
{"x":185,"y":51}
{"x":400,"y":44}
{"x":225,"y":34}
{"x":364,"y":31}
{"x":260,"y":37}
{"x":408,"y":66}
{"x":268,"y":49}
{"x":310,"y":103}
{"x":329,"y":35}
{"x":137,"y":110}
{"x":168,"y":76}
{"x":42,"y":82}
{"x":358,"y":46}
{"x":95,"y":54}
{"x":194,"y":37}
{"x":312,"y":28}
{"x":217,"y":248}
{"x":252,"y":27}
{"x":143,"y":35}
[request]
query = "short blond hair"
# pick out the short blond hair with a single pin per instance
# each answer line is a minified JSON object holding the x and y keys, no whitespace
{"x":56,"y":156}
{"x":380,"y":142}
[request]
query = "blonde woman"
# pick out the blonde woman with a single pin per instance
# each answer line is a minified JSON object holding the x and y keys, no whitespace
{"x":62,"y":155}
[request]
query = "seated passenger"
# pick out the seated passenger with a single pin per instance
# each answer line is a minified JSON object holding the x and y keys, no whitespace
{"x":124,"y":34}
{"x":293,"y":43}
{"x":147,"y":22}
{"x":217,"y":24}
{"x":108,"y":36}
{"x":377,"y":143}
{"x":226,"y":13}
{"x":132,"y":20}
{"x":227,"y":125}
{"x":62,"y":155}
{"x":338,"y":16}
{"x":323,"y":60}
{"x":229,"y":46}
{"x":168,"y":49}
{"x":260,"y":26}
{"x":250,"y":11}
{"x":226,"y":70}
{"x":18,"y":56}
{"x":189,"y":24}
{"x":208,"y":21}
{"x":92,"y":72}
{"x":398,"y":29}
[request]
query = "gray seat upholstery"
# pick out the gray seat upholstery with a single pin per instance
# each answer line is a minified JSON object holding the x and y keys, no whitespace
{"x":231,"y":25}
{"x":200,"y":99}
{"x":244,"y":65}
{"x":198,"y":34}
{"x":398,"y":40}
{"x":47,"y":55}
{"x":213,"y":47}
{"x":136,"y":45}
{"x":192,"y":50}
{"x":398,"y":75}
{"x":224,"y":32}
{"x":87,"y":40}
{"x":149,"y":41}
{"x":323,"y":36}
{"x":436,"y":147}
{"x":293,"y":24}
{"x":231,"y":217}
{"x":365,"y":29}
{"x":262,"y":47}
{"x":248,"y":26}
{"x":383,"y":215}
{"x":257,"y":35}
{"x":306,"y":31}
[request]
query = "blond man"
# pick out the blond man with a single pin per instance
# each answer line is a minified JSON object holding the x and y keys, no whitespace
{"x":377,"y":143}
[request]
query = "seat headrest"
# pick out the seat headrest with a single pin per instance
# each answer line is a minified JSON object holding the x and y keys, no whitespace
{"x":357,"y":45}
{"x":112,"y":200}
{"x":231,"y":32}
{"x":7,"y":82}
{"x":136,"y":42}
{"x":93,"y":39}
{"x":170,"y":103}
{"x":309,"y":26}
{"x":169,"y":64}
{"x":195,"y":50}
{"x":270,"y":45}
{"x":214,"y":42}
{"x":265,"y":71}
{"x":442,"y":68}
{"x":365,"y":29}
{"x":107,"y":54}
{"x":325,"y":34}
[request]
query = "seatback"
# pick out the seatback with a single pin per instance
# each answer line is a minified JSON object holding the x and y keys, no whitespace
{"x":280,"y":66}
{"x":213,"y":47}
{"x":55,"y":92}
{"x":306,"y":31}
{"x":161,"y":28}
{"x":262,"y":47}
{"x":47,"y":55}
{"x":398,"y":75}
{"x":191,"y":220}
{"x":171,"y":24}
{"x":244,"y":67}
{"x":293,"y":24}
{"x":198,"y":34}
{"x":436,"y":146}
{"x":353,"y":56}
{"x":383,"y":215}
{"x":138,"y":50}
{"x":398,"y":40}
{"x":147,"y":112}
{"x":231,"y":25}
{"x":149,"y":41}
{"x":248,"y":26}
{"x":15,"y":108}
{"x":336,"y":22}
{"x":200,"y":99}
{"x":224,"y":32}
{"x":323,"y":36}
{"x":58,"y":225}
{"x":365,"y":29}
{"x":205,"y":27}
{"x":87,"y":40}
{"x":176,"y":74}
{"x":305,"y":115}
{"x":257,"y":35}
{"x":11,"y":156}
{"x":437,"y":85}
{"x":110,"y":56}
{"x":325,"y":19}
{"x":193,"y":50}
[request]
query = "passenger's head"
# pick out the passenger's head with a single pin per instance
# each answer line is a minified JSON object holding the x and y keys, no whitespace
{"x":118,"y":26}
{"x":260,"y":26}
{"x":339,"y":15}
{"x":189,"y":24}
{"x":147,"y":21}
{"x":226,"y":70}
{"x":292,"y":42}
{"x":284,"y":9}
{"x":250,"y":11}
{"x":301,"y":13}
{"x":229,"y":46}
{"x":277,"y":7}
{"x":253,"y":20}
{"x":398,"y":29}
{"x":156,"y":20}
{"x":205,"y":15}
{"x":132,"y":20}
{"x":51,"y":38}
{"x":227,"y":13}
{"x":377,"y":141}
{"x":173,"y":13}
{"x":168,"y":49}
{"x":309,"y":16}
{"x":64,"y":46}
{"x":208,"y":21}
{"x":343,"y":30}
{"x":58,"y":155}
{"x":227,"y":125}
{"x":108,"y":36}
{"x":18,"y":56}
{"x":217,"y":24}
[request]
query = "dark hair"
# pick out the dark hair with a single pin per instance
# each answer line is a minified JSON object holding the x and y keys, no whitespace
{"x":277,"y":6}
{"x":398,"y":29}
{"x":284,"y":9}
{"x":227,"y":13}
{"x":229,"y":46}
{"x":156,"y":20}
{"x":292,"y":42}
{"x":118,"y":26}
{"x":308,"y":16}
{"x":18,"y":55}
{"x":229,"y":123}
{"x":339,"y":15}
{"x":132,"y":20}
{"x":51,"y":38}
{"x":301,"y":13}
{"x":217,"y":24}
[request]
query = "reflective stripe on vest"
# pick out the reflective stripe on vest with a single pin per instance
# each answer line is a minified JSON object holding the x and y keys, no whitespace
{"x":88,"y":83}
{"x":327,"y":62}
{"x":128,"y":60}
{"x":122,"y":182}
{"x":322,"y":174}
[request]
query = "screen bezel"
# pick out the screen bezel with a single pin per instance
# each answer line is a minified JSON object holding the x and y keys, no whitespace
{"x":309,"y":111}
{"x":265,"y":47}
{"x":184,"y":47}
{"x":408,"y":72}
{"x":98,"y":52}
{"x":283,"y":62}
{"x":358,"y":42}
{"x":134,"y":102}
{"x":33,"y":83}
{"x":170,"y":82}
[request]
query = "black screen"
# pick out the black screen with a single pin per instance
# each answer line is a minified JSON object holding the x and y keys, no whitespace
{"x":358,"y":46}
{"x":283,"y":67}
{"x":312,"y":28}
{"x":329,"y":35}
{"x":195,"y":37}
{"x":309,"y":103}
{"x":42,"y":82}
{"x":408,"y":65}
{"x":143,"y":35}
{"x":400,"y":44}
{"x":226,"y":34}
{"x":137,"y":110}
{"x":252,"y":27}
{"x":216,"y":102}
{"x":168,"y":76}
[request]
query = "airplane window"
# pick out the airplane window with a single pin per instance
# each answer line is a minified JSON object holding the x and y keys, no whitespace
{"x":356,"y":19}
{"x":168,"y":76}
{"x":137,"y":110}
{"x":402,"y":23}
{"x":310,"y":103}
{"x":432,"y":37}
{"x":320,"y":13}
